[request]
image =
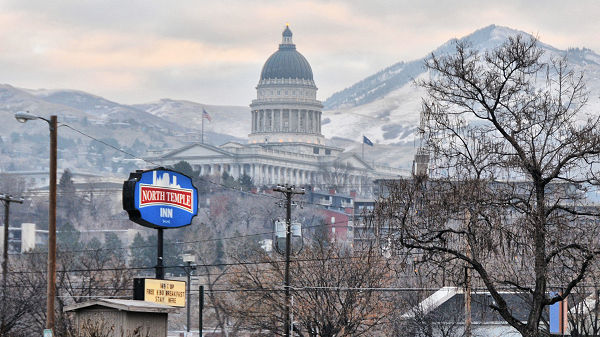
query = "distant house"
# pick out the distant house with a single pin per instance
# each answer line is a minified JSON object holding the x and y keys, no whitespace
{"x":338,"y":225}
{"x":443,"y":313}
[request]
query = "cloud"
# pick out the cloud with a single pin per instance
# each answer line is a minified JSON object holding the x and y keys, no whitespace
{"x":212,"y":51}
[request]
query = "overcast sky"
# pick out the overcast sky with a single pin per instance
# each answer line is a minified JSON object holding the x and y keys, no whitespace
{"x":213,"y":51}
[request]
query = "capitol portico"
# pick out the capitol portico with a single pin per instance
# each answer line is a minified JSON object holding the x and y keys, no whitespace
{"x":285,"y":145}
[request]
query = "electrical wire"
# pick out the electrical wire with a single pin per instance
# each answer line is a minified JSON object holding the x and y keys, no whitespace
{"x":223,"y":264}
{"x":203,"y":178}
{"x":304,"y":228}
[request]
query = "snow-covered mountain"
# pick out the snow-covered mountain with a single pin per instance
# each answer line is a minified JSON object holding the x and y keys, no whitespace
{"x":129,"y":128}
{"x":230,"y":120}
{"x":385,"y":106}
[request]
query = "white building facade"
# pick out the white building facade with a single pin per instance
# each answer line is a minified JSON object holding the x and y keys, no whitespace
{"x":285,"y":145}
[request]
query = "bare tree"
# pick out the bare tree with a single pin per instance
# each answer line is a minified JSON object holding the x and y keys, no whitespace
{"x":23,"y":304}
{"x":514,"y":156}
{"x":583,"y":305}
{"x":334,"y":293}
{"x":334,"y":174}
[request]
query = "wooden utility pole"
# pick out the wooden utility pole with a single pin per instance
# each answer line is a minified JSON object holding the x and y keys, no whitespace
{"x":6,"y":199}
{"x":51,"y":290}
{"x":23,"y":117}
{"x":201,"y":311}
{"x":289,"y":192}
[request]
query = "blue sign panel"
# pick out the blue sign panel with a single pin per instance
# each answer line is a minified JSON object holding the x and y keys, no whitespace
{"x":160,"y":198}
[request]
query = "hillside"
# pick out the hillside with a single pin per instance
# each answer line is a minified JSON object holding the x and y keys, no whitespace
{"x":385,"y":106}
{"x":133,"y":130}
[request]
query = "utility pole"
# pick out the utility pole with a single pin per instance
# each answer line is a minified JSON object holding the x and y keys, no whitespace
{"x":201,"y":310}
{"x":190,"y":261}
{"x":289,"y":192}
{"x":23,"y":117}
{"x":51,"y":290}
{"x":6,"y":199}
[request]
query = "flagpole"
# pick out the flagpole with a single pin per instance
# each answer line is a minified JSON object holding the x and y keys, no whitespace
{"x":202,"y":125}
{"x":363,"y":148}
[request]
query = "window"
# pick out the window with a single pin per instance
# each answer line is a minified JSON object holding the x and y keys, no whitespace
{"x":315,"y":150}
{"x":327,"y":151}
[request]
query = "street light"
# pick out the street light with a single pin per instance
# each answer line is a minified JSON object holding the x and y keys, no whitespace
{"x":189,"y":259}
{"x":23,"y":117}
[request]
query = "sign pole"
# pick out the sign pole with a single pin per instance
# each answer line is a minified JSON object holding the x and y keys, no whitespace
{"x":201,"y":310}
{"x":188,"y":271}
{"x":160,"y":271}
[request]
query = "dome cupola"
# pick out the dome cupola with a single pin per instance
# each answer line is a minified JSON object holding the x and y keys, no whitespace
{"x":287,"y":62}
{"x":287,"y":35}
{"x":286,"y":109}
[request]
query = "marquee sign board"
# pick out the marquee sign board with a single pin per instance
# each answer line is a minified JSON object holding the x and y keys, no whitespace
{"x":160,"y":198}
{"x":166,"y":292}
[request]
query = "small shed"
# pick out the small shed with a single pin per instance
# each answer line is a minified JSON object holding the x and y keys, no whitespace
{"x":120,"y":318}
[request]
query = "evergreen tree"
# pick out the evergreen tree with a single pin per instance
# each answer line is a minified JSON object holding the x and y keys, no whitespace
{"x":228,"y":181}
{"x":141,"y":252}
{"x":94,"y":244}
{"x":68,"y":238}
{"x":112,"y":242}
{"x":219,"y":252}
{"x":200,"y":182}
{"x":185,"y":168}
{"x":93,"y":249}
{"x":67,"y":201}
{"x":245,"y":182}
{"x":113,"y":247}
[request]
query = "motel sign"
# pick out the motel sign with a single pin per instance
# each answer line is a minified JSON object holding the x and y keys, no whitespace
{"x":160,"y":198}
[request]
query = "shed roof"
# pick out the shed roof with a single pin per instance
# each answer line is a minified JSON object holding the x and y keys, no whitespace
{"x":124,"y":305}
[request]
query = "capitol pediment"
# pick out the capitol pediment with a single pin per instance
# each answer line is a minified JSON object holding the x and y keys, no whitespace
{"x":234,"y":145}
{"x":197,"y":150}
{"x":352,"y":160}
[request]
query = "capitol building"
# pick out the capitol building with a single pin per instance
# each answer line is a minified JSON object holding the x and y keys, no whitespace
{"x":285,"y":145}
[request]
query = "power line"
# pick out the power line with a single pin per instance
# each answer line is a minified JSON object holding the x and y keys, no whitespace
{"x":106,"y":144}
{"x":203,"y":178}
{"x":180,"y":242}
{"x":223,"y":264}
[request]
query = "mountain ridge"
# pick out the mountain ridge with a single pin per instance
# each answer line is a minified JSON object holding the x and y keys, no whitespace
{"x":402,"y":72}
{"x":385,"y":106}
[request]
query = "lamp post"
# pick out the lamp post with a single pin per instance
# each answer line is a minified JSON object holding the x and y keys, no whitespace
{"x":189,"y":259}
{"x":51,"y":289}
